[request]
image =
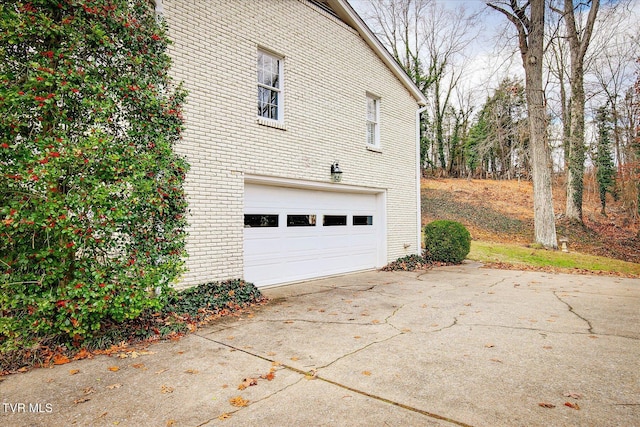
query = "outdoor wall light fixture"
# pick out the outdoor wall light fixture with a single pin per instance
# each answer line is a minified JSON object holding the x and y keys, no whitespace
{"x":336,"y":173}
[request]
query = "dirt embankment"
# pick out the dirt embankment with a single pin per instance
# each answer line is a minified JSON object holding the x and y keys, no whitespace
{"x":502,"y":211}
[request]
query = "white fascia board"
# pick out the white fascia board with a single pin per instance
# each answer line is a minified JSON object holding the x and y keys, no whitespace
{"x":348,"y":15}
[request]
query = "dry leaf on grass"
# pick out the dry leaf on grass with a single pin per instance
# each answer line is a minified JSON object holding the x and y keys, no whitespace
{"x":546,"y":405}
{"x":572,"y":405}
{"x":238,"y":401}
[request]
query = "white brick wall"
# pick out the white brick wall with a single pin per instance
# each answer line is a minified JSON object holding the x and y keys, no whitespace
{"x":328,"y":69}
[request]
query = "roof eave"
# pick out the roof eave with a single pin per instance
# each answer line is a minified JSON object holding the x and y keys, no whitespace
{"x":348,"y":15}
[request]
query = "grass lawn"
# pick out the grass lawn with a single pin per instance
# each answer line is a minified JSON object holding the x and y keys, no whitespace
{"x":515,"y":254}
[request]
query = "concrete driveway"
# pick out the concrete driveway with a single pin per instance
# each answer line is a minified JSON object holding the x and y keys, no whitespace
{"x":453,"y":346}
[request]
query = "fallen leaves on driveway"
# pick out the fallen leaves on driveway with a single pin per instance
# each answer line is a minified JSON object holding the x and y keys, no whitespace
{"x":573,"y":395}
{"x":166,"y":389}
{"x":238,"y":402}
{"x":572,"y":405}
{"x":269,"y":376}
{"x":113,"y":368}
{"x":546,"y":405}
{"x":247,"y":382}
{"x":311,"y":375}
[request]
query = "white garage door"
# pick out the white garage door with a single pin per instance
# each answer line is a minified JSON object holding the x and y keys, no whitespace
{"x":294,"y":234}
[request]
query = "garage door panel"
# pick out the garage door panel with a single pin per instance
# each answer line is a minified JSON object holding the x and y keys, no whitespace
{"x":287,"y":253}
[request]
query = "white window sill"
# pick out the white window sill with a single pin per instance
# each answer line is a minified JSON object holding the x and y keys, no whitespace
{"x":374,"y":149}
{"x":271,"y":123}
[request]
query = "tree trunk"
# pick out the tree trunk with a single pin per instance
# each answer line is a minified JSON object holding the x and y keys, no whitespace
{"x":575,"y":171}
{"x":544,"y":219}
{"x":578,"y":44}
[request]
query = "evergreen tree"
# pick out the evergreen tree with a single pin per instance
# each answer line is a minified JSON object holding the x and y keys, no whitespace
{"x":605,"y":169}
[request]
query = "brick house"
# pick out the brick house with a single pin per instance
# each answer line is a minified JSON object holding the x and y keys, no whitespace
{"x":279,"y":92}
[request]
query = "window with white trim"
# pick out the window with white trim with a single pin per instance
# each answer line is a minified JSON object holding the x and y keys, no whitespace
{"x":269,"y":86}
{"x":373,"y":121}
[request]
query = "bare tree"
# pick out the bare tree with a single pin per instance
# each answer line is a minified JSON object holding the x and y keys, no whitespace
{"x":397,"y":23}
{"x":530,"y":29}
{"x":428,"y":40}
{"x":614,"y":71}
{"x":578,"y":38}
{"x":557,"y":63}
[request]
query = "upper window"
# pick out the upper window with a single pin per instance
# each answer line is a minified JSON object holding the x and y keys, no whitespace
{"x":269,"y":86}
{"x":373,"y":119}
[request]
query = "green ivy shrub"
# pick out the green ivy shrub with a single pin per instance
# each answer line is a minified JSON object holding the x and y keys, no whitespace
{"x":93,"y":210}
{"x":446,"y":241}
{"x":408,"y":263}
{"x":212,"y":298}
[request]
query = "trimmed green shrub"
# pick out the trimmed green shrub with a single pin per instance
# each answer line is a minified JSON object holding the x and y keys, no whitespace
{"x":446,"y":241}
